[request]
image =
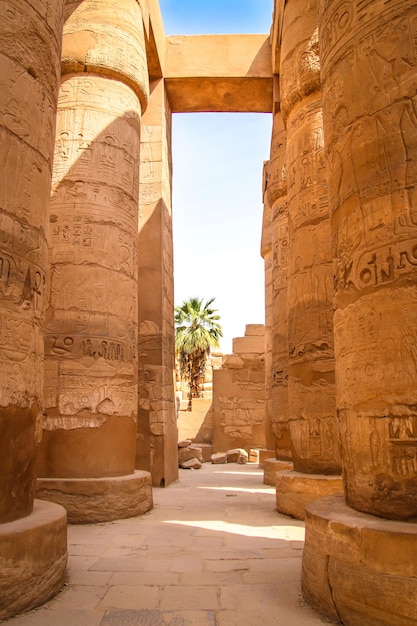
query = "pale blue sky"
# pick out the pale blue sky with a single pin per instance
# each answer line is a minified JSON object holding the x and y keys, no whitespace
{"x":217,"y":189}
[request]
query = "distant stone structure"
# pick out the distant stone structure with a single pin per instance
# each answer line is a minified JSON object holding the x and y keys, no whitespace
{"x":87,"y":392}
{"x":239,"y":394}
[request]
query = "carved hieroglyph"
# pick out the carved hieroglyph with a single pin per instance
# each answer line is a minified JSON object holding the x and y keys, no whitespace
{"x":370,"y":123}
{"x":91,"y":325}
{"x":277,"y":196}
{"x":311,"y":385}
{"x":28,"y":95}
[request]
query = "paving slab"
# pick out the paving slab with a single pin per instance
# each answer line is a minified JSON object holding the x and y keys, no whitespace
{"x":213,"y":552}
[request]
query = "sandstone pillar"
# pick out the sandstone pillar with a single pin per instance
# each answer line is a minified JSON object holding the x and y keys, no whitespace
{"x":157,"y":435}
{"x":311,"y":378}
{"x":266,"y":253}
{"x":276,"y":297}
{"x":88,"y":452}
{"x":369,"y":71}
{"x":30,"y":45}
{"x":372,"y":178}
{"x":277,"y":197}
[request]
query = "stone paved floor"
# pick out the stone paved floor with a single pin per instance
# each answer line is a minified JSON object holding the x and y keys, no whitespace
{"x":212,"y":552}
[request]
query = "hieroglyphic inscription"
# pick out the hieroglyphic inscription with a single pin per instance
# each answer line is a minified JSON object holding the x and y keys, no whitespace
{"x":114,"y":45}
{"x":239,"y":416}
{"x":22,"y":283}
{"x":21,"y":360}
{"x":100,"y":143}
{"x":94,"y":347}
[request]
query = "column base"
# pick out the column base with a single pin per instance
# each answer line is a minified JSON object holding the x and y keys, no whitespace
{"x":271,"y":468}
{"x":357,"y":568}
{"x":33,"y":558}
{"x":91,"y":500}
{"x":295,"y":490}
{"x":265,"y":454}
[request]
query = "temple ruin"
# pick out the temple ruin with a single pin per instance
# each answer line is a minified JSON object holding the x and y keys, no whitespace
{"x":87,"y":392}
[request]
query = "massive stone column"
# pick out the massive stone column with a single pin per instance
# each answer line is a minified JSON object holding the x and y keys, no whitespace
{"x":266,"y":253}
{"x":277,"y":197}
{"x":157,"y":434}
{"x":87,"y":457}
{"x":311,"y":377}
{"x":369,"y":71}
{"x":276,"y":297}
{"x":32,"y":533}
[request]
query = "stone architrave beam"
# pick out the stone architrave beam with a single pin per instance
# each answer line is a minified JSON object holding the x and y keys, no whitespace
{"x":226,"y":73}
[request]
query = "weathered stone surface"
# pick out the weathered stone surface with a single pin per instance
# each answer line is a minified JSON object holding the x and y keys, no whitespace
{"x":29,"y":88}
{"x":191,"y":464}
{"x":276,"y":197}
{"x":296,"y":489}
{"x":372,"y":202}
{"x":237,"y":456}
{"x":271,"y":469}
{"x":358,"y":568}
{"x":239,"y":398}
{"x":265,"y":454}
{"x":206,"y":450}
{"x":32,"y":538}
{"x":185,"y":454}
{"x":266,"y":252}
{"x":90,"y":500}
{"x":219,"y":73}
{"x":232,"y":361}
{"x":33,"y":558}
{"x":311,"y":378}
{"x":219,"y":457}
{"x":156,"y":449}
{"x":197,"y":424}
{"x":185,"y":443}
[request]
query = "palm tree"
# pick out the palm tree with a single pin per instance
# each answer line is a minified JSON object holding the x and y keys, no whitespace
{"x":197,"y":330}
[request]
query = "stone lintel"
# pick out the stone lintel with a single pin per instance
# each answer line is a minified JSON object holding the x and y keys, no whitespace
{"x":224,"y":73}
{"x":33,"y":558}
{"x":359,"y":569}
{"x":154,"y":38}
{"x":295,"y":490}
{"x":92,"y":500}
{"x":272,"y":467}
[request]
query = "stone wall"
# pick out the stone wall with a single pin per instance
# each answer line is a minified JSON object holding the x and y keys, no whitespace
{"x":239,"y":394}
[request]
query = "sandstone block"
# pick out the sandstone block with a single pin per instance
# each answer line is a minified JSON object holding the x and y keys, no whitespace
{"x":232,"y":361}
{"x":295,"y":490}
{"x":33,"y":558}
{"x":90,"y":500}
{"x":219,"y":457}
{"x":206,"y":450}
{"x":185,"y":454}
{"x":358,"y":568}
{"x":264,"y":455}
{"x":191,"y":464}
{"x":185,"y":443}
{"x":233,"y":456}
{"x":271,"y":469}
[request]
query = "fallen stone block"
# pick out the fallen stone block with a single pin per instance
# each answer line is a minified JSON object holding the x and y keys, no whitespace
{"x":185,"y":454}
{"x":191,"y":464}
{"x":218,"y":458}
{"x":237,"y":455}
